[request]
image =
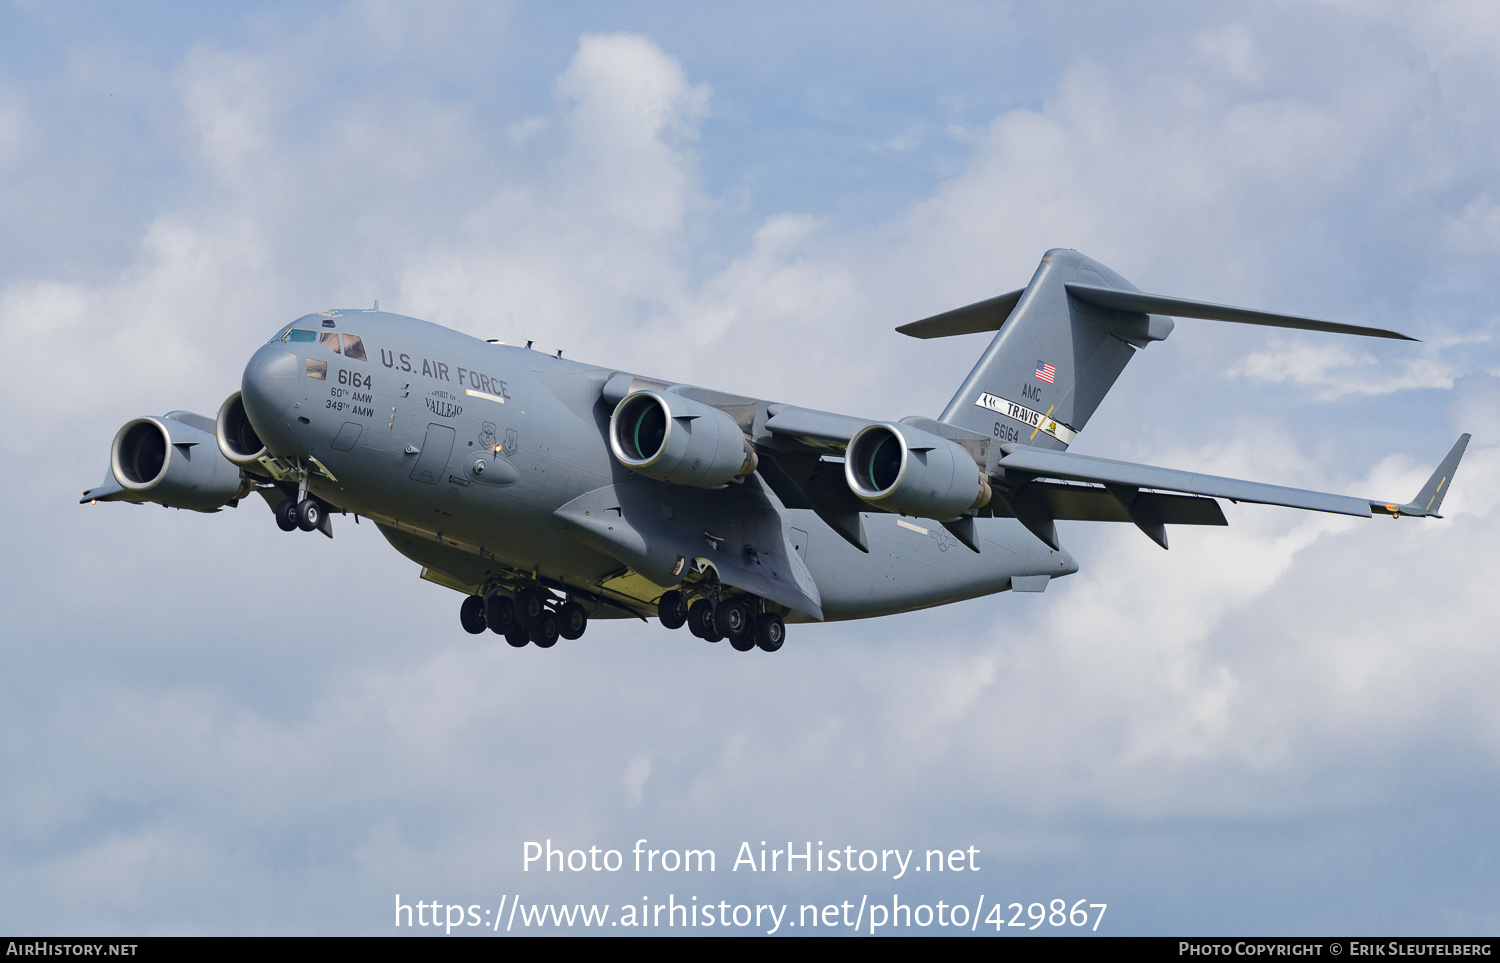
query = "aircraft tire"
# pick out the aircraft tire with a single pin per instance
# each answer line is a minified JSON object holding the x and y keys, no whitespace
{"x":499,"y":614}
{"x":471,"y":614}
{"x":286,"y":515}
{"x":544,"y":633}
{"x":517,"y":636}
{"x":531,"y":607}
{"x":700,"y":620}
{"x":672,"y":610}
{"x":732,"y":619}
{"x":309,"y":514}
{"x":770,"y":632}
{"x":572,"y":620}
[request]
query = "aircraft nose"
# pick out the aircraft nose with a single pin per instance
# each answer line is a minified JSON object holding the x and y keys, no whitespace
{"x":268,"y":388}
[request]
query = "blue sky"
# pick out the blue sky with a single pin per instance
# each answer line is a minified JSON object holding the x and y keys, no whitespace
{"x":1287,"y":726}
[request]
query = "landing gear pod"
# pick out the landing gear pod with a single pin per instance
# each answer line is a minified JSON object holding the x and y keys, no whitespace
{"x":236,"y":436}
{"x":913,"y":472}
{"x":166,"y":461}
{"x":679,"y":441}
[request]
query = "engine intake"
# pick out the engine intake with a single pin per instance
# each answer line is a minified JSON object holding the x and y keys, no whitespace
{"x":679,"y":441}
{"x":166,"y":461}
{"x":236,"y":436}
{"x":913,"y":472}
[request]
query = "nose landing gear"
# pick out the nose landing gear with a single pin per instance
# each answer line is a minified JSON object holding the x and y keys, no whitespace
{"x":309,"y":514}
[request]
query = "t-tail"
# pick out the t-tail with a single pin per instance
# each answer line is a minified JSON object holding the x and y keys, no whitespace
{"x":1062,"y":342}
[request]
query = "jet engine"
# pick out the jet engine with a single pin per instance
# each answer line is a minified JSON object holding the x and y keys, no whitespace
{"x":913,"y":472}
{"x":236,"y":436}
{"x":173,"y":463}
{"x":680,"y":441}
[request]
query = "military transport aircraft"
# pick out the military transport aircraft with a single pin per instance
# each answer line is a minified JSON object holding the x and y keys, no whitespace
{"x":550,"y":492}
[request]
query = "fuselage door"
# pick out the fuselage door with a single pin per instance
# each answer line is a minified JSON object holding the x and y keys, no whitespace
{"x":433,"y":460}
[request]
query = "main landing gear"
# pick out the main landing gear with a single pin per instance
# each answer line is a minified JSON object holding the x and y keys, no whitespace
{"x":309,"y":514}
{"x":530,"y":617}
{"x":733,"y":618}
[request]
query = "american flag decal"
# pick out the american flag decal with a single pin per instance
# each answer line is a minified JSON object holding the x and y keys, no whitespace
{"x":1045,"y":372}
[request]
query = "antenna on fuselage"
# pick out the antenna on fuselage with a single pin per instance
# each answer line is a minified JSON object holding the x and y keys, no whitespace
{"x":530,"y":343}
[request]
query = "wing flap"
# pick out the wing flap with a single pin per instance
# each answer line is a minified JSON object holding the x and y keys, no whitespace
{"x":1086,"y":503}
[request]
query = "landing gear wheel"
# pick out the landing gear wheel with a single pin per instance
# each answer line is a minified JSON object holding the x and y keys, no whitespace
{"x":499,"y":614}
{"x":544,"y":633}
{"x":517,"y":636}
{"x":744,"y":641}
{"x":572,"y":620}
{"x":672,"y":610}
{"x":770,"y":632}
{"x":309,"y":514}
{"x":732,"y":619}
{"x":530,"y":607}
{"x":471,"y":614}
{"x":700,"y":621}
{"x":286,"y":515}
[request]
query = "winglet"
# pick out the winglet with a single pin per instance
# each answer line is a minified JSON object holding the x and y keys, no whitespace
{"x":1430,"y":498}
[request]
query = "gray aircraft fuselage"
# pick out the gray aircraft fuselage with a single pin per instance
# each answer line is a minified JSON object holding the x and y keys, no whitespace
{"x":402,"y":431}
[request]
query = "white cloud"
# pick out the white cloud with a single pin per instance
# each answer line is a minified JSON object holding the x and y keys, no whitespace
{"x":1337,"y":371}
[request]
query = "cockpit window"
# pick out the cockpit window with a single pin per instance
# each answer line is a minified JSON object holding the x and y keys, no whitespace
{"x":281,"y":335}
{"x":353,"y":346}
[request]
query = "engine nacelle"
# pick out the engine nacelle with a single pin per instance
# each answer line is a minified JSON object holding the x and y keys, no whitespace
{"x":236,"y":436}
{"x":913,"y":472}
{"x":679,"y":441}
{"x":173,"y":463}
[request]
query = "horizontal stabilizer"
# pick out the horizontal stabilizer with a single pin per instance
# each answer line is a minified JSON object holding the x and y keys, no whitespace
{"x":972,"y":319}
{"x":1430,"y":498}
{"x":1062,"y":464}
{"x":1136,"y":302}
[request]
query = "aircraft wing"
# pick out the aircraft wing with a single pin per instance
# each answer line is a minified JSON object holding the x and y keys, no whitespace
{"x":1073,"y":467}
{"x":817,"y":430}
{"x":799,"y":476}
{"x":792,"y":443}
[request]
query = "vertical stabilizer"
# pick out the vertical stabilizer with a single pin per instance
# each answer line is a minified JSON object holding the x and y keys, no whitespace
{"x":1054,"y":359}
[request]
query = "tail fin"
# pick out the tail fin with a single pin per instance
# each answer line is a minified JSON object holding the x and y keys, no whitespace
{"x":1063,"y":341}
{"x":1054,"y":359}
